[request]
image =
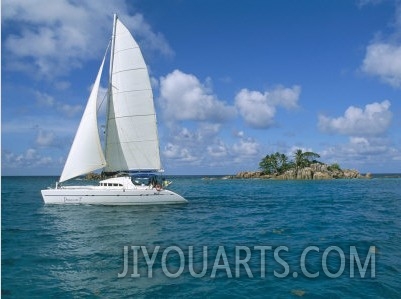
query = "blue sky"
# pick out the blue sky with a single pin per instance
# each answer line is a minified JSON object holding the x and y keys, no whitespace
{"x":232,"y":80}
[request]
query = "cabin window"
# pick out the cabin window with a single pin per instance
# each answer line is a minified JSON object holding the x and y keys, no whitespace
{"x":111,"y":185}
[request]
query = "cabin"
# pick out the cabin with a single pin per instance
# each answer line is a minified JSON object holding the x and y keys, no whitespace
{"x":118,"y":182}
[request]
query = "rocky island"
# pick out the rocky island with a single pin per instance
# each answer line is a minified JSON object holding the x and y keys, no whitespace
{"x":304,"y":166}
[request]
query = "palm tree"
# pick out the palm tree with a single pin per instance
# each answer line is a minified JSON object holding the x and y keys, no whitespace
{"x":278,"y":163}
{"x":283,"y":162}
{"x":304,"y":159}
{"x":274,"y":163}
{"x":299,"y":159}
{"x":266,"y":164}
{"x":311,"y":156}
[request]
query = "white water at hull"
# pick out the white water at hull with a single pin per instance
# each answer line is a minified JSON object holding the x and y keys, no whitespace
{"x":93,"y":195}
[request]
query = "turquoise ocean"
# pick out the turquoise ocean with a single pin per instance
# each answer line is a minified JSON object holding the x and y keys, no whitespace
{"x":79,"y":251}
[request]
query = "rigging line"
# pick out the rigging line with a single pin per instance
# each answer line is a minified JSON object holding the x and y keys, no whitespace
{"x":130,"y":69}
{"x":105,"y":95}
{"x":101,"y":103}
{"x":127,"y":49}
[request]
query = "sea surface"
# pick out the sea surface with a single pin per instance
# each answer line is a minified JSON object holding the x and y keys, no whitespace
{"x":257,"y":239}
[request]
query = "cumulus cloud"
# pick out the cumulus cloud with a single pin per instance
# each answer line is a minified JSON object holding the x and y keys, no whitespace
{"x":218,"y":150}
{"x":258,"y":109}
{"x":254,"y":108}
{"x":371,"y":121}
{"x":185,"y":146}
{"x":205,"y":147}
{"x":368,"y":146}
{"x":184,"y":97}
{"x":178,"y":153}
{"x":246,"y":147}
{"x":383,"y":55}
{"x":364,"y":153}
{"x":52,"y":37}
{"x":384,"y":60}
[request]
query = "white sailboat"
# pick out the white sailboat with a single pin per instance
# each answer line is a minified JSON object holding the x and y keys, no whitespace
{"x":131,"y":143}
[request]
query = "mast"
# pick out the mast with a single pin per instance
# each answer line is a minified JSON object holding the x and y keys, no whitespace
{"x":113,"y":38}
{"x":109,"y":91}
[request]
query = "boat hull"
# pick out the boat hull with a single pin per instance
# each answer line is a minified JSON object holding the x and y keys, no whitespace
{"x":93,"y":196}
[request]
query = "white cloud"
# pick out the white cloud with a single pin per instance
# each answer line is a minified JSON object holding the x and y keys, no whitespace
{"x":184,"y":97}
{"x":362,"y":3}
{"x":29,"y":159}
{"x":254,"y":108}
{"x":374,"y":120}
{"x":364,"y":154}
{"x":384,"y":60}
{"x":45,"y":138}
{"x":383,"y":55}
{"x":246,"y":147}
{"x":69,"y":110}
{"x":239,"y":134}
{"x":44,"y":99}
{"x":367,"y":146}
{"x":151,"y":40}
{"x":48,"y":138}
{"x":178,"y":153}
{"x":50,"y":38}
{"x":284,"y":97}
{"x":291,"y":151}
{"x":185,"y":146}
{"x":205,"y":148}
{"x":368,"y":149}
{"x":218,"y":150}
{"x":258,"y":109}
{"x":29,"y":124}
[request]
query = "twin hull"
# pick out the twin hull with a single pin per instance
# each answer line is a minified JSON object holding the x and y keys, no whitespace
{"x":94,"y":196}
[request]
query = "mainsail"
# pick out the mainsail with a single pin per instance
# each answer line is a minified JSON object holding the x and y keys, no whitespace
{"x":131,"y":131}
{"x":86,"y":151}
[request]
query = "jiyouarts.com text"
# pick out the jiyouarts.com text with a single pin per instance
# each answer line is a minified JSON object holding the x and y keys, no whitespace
{"x":248,"y":261}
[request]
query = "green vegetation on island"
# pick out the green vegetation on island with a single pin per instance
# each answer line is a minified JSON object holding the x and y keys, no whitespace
{"x":304,"y":166}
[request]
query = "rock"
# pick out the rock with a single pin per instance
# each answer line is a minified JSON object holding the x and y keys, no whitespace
{"x":318,"y":167}
{"x":257,"y":174}
{"x":288,"y":175}
{"x":248,"y":174}
{"x":305,"y":174}
{"x":322,"y":176}
{"x":337,"y":174}
{"x":316,"y":171}
{"x":351,"y":173}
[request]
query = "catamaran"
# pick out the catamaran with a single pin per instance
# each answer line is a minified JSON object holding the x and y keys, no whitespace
{"x":131,"y":139}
